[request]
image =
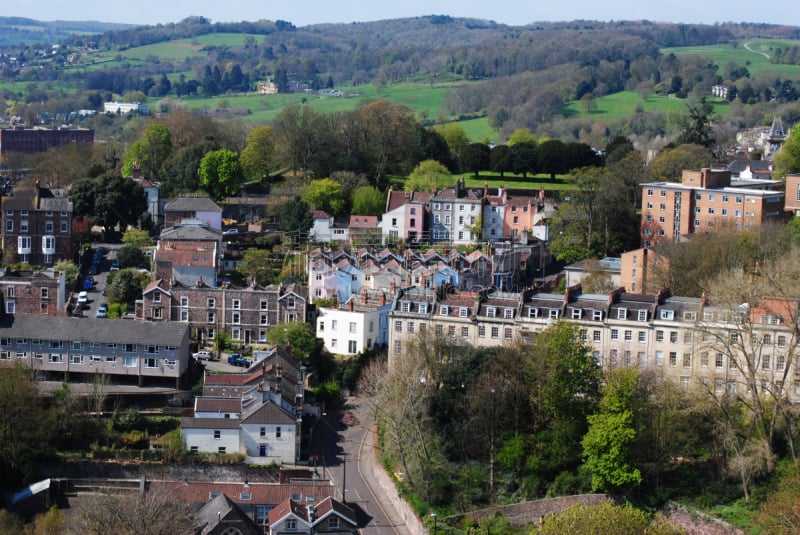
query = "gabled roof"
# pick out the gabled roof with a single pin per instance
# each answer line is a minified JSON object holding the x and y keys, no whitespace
{"x":217,"y":404}
{"x":399,"y":198}
{"x":188,"y":422}
{"x":192,"y":204}
{"x":286,"y":509}
{"x":364,"y":221}
{"x":320,"y":214}
{"x":269,"y":413}
{"x":155,"y":285}
{"x":330,"y":506}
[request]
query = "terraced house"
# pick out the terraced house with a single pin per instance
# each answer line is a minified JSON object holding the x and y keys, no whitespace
{"x":689,"y":341}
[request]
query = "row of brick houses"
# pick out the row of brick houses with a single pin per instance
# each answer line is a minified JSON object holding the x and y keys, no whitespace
{"x":245,"y":314}
{"x":681,"y":339}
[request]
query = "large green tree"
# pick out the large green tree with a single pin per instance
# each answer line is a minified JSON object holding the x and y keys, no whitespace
{"x":221,"y":173}
{"x":150,"y":151}
{"x":324,"y":194}
{"x":428,"y":176}
{"x":295,"y":216}
{"x":612,"y":432}
{"x":788,"y":159}
{"x":369,"y":200}
{"x":109,"y":200}
{"x":475,"y":157}
{"x":258,"y":155}
{"x":696,"y":127}
{"x":298,"y":336}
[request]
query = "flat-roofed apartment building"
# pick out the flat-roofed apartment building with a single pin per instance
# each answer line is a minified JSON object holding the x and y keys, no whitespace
{"x":32,"y":140}
{"x":707,"y":199}
{"x":63,"y":347}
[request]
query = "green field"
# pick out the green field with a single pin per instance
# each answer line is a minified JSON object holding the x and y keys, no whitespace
{"x":755,"y":59}
{"x":623,"y":104}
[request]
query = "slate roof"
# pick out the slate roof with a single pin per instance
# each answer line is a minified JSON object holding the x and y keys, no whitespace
{"x":209,"y":404}
{"x":399,"y":198}
{"x":94,"y":330}
{"x":192,"y":204}
{"x":190,"y":232}
{"x":269,"y":413}
{"x":209,"y":423}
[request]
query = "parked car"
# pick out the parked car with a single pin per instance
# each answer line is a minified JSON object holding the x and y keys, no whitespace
{"x":202,"y":355}
{"x":231,"y":231}
{"x":88,"y":282}
{"x":237,"y":360}
{"x":101,"y":313}
{"x":114,"y":266}
{"x":83,"y":298}
{"x":93,"y":269}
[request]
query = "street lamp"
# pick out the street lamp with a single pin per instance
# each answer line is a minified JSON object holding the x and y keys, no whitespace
{"x":434,"y":515}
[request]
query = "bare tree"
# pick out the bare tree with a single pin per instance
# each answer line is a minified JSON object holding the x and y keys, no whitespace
{"x":151,"y":514}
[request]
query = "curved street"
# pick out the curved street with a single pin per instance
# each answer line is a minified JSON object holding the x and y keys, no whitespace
{"x":348,"y":454}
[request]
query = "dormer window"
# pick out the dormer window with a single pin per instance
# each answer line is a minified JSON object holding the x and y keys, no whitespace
{"x":642,"y":316}
{"x":422,"y":308}
{"x":405,"y":306}
{"x":597,"y":315}
{"x":576,"y":313}
{"x":490,"y":312}
{"x":508,"y":313}
{"x":533,"y":312}
{"x":667,"y":314}
{"x":444,"y":310}
{"x":463,"y":312}
{"x":622,"y":313}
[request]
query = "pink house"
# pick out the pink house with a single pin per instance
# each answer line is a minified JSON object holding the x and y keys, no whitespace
{"x":405,"y":216}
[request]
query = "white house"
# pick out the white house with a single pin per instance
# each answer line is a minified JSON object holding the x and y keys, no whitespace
{"x":270,"y":433}
{"x":212,"y":435}
{"x":358,"y":324}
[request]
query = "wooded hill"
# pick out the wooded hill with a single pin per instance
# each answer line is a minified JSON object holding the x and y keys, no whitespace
{"x":516,"y":76}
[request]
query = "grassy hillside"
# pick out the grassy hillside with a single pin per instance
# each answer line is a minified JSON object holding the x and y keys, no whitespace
{"x":619,"y":105}
{"x":753,"y":53}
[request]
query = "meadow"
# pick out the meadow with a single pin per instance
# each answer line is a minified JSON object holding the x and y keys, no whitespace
{"x":752,"y":53}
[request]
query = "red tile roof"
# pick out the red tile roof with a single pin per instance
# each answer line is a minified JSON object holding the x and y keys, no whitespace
{"x":260,"y":493}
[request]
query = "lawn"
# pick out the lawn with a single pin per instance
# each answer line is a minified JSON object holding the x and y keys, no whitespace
{"x":754,"y":59}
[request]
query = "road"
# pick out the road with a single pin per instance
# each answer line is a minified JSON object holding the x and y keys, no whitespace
{"x":347,"y":453}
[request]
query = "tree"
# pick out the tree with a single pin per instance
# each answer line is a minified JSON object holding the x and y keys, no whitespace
{"x":475,"y":157}
{"x":70,"y":271}
{"x":130,"y":256}
{"x":551,"y":157}
{"x":110,"y":200}
{"x":137,"y":238}
{"x":221,"y":173}
{"x":297,"y":130}
{"x":298,"y":336}
{"x":605,"y":519}
{"x":525,"y":158}
{"x":150,"y":514}
{"x":295,"y":216}
{"x":500,"y":159}
{"x":668,"y":166}
{"x":607,"y":444}
{"x":258,"y":155}
{"x":324,"y":194}
{"x":368,"y":200}
{"x":150,"y":151}
{"x":256,"y":264}
{"x":454,"y":135}
{"x":125,"y":286}
{"x":696,"y":125}
{"x":429,"y":175}
{"x":390,"y":129}
{"x":24,"y":424}
{"x":521,"y":135}
{"x":788,"y":159}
